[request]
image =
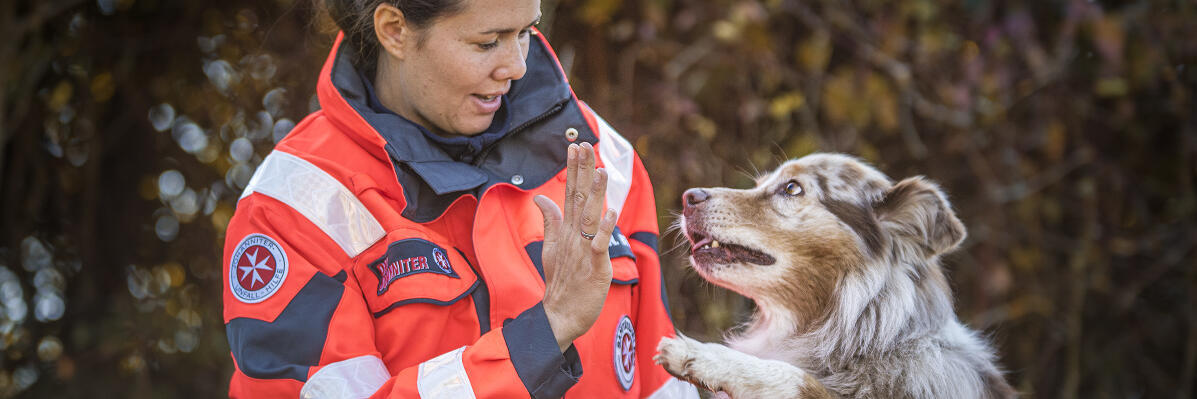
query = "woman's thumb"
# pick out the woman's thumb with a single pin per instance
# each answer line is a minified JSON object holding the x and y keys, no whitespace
{"x":552,"y":215}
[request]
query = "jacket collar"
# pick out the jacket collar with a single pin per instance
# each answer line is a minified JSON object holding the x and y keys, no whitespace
{"x":532,"y":148}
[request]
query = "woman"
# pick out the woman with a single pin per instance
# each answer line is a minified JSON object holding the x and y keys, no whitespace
{"x":412,"y":238}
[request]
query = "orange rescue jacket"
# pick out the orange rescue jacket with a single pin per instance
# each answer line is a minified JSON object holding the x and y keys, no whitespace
{"x":363,"y":261}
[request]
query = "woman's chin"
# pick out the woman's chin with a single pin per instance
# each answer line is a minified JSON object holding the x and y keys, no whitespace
{"x":475,"y":125}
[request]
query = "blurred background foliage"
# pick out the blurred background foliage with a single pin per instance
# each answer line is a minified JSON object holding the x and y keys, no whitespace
{"x":1064,"y":131}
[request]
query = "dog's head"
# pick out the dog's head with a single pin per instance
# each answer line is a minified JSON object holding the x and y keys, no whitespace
{"x":814,"y":219}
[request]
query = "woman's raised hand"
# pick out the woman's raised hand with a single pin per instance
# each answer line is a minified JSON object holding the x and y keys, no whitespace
{"x":576,"y":265}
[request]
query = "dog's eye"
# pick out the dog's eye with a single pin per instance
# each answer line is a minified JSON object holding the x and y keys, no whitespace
{"x":792,"y":188}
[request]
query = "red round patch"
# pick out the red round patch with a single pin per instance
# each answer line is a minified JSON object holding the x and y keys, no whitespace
{"x":257,"y":268}
{"x":625,"y":352}
{"x":628,"y":357}
{"x":442,"y":260}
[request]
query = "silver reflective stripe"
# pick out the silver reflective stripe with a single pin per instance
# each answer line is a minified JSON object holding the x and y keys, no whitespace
{"x":444,"y":377}
{"x":675,"y":389}
{"x":618,"y":159}
{"x":358,"y":377}
{"x":319,"y":197}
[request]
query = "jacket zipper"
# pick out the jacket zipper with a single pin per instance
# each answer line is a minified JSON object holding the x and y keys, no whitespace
{"x":519,"y":129}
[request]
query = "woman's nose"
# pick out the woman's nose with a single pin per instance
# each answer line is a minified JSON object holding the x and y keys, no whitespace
{"x":514,"y":62}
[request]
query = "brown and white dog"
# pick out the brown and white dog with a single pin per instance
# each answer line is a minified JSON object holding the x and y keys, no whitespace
{"x":844,"y":268}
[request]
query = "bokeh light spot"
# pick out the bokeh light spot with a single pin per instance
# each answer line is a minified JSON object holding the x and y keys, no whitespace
{"x":274,"y":101}
{"x":186,"y":340}
{"x":171,"y":183}
{"x":192,"y":138}
{"x":281,"y":129}
{"x":238,"y":176}
{"x":185,"y":205}
{"x":260,"y":126}
{"x":221,"y":74}
{"x":34,"y":254}
{"x":49,"y":306}
{"x":241,"y":150}
{"x":166,"y":227}
{"x":138,"y":280}
{"x":24,"y":377}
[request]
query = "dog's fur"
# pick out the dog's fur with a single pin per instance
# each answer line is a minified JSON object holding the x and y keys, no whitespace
{"x":850,"y":296}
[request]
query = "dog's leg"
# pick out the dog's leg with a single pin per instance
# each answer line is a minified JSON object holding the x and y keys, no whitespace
{"x":742,"y":376}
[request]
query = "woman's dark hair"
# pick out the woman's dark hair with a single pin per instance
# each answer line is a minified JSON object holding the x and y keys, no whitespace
{"x":356,"y":19}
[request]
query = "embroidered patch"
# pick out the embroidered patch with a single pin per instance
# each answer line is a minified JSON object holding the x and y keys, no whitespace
{"x":408,"y":257}
{"x":625,"y":352}
{"x":257,"y":269}
{"x":442,"y":260}
{"x":618,"y":246}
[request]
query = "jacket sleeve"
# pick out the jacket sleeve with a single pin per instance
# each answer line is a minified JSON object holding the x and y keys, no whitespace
{"x":638,"y":220}
{"x":298,"y":324}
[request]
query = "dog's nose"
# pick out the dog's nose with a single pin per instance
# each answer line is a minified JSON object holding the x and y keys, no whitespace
{"x":695,"y":196}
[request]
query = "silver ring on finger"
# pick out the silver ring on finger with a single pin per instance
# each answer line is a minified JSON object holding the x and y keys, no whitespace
{"x":586,"y":235}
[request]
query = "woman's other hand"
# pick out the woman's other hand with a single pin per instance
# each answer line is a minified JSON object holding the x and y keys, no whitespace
{"x":576,"y":265}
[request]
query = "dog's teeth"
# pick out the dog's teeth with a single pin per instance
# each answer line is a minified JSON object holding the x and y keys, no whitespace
{"x":714,"y":244}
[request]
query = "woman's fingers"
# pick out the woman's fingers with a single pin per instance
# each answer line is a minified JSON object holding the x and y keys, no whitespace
{"x":552,"y":215}
{"x":584,"y":183}
{"x":585,"y":196}
{"x":577,"y":270}
{"x":603,"y":237}
{"x":571,"y":183}
{"x":592,"y":210}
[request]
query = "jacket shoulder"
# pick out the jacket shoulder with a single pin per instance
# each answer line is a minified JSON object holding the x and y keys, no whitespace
{"x":620,"y":161}
{"x":301,"y":186}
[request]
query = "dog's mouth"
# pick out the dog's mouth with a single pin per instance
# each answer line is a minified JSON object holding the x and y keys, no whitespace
{"x":705,"y":248}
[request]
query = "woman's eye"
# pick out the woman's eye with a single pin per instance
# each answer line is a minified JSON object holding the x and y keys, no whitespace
{"x":525,"y":33}
{"x":792,"y":189}
{"x":490,"y":45}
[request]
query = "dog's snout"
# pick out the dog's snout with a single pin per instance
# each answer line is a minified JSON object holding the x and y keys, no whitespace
{"x":695,"y":196}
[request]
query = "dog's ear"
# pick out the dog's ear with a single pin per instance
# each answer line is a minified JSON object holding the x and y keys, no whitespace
{"x":917,"y":211}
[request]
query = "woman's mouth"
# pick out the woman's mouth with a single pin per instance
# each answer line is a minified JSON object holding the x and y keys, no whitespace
{"x":488,"y":103}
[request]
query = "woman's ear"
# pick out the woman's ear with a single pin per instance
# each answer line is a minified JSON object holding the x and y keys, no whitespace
{"x":916,"y":212}
{"x":394,"y":33}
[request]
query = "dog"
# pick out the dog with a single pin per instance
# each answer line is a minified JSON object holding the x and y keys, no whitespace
{"x":843,"y":265}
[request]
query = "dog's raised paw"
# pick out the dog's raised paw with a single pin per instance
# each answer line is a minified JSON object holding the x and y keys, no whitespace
{"x":676,"y":355}
{"x":682,"y":357}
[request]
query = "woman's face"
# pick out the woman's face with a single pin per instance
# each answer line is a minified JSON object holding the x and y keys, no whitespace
{"x":451,"y":77}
